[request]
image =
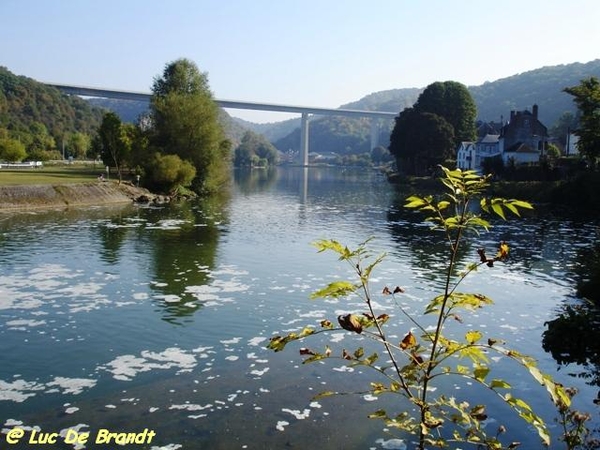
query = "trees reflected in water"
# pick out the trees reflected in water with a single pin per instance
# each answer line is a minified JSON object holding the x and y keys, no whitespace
{"x":573,"y":337}
{"x":175,"y":244}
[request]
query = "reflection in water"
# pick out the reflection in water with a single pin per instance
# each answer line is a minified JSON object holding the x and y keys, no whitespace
{"x":182,"y":239}
{"x":183,"y":255}
{"x":573,"y":337}
{"x":251,"y":180}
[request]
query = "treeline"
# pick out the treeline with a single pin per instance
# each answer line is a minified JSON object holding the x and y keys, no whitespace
{"x":38,"y":122}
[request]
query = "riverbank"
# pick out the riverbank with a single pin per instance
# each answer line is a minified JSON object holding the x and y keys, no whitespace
{"x":35,"y":196}
{"x":582,"y":191}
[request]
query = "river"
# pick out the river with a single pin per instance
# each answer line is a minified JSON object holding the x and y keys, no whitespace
{"x":126,"y":318}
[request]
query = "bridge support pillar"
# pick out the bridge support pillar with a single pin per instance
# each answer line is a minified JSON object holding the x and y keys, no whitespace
{"x":374,"y":133}
{"x":304,"y":139}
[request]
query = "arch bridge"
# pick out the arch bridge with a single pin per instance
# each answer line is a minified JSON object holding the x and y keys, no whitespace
{"x":306,"y":113}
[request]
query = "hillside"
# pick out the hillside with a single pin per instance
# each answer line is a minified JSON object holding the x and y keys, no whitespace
{"x":31,"y":110}
{"x":541,"y":86}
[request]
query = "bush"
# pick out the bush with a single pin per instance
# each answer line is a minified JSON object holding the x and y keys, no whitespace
{"x":167,"y":172}
{"x":12,"y":150}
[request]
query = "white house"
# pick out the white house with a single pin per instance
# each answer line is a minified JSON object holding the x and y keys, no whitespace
{"x":470,"y":155}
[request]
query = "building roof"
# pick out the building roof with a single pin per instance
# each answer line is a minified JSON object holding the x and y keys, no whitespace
{"x":519,"y":147}
{"x":490,"y":139}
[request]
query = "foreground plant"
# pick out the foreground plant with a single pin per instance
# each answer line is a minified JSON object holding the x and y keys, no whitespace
{"x":422,"y":359}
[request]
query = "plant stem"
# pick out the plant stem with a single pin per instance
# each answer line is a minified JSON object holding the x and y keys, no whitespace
{"x":386,"y":344}
{"x":454,"y":243}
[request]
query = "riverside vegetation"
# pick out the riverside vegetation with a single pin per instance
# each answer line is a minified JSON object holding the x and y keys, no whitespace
{"x":416,"y":365}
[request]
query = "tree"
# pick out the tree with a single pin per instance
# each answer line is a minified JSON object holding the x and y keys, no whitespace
{"x":420,"y":141}
{"x":452,"y":101}
{"x":12,"y":150}
{"x":587,"y":98}
{"x":429,"y":133}
{"x":565,"y":124}
{"x":112,"y":146}
{"x":185,"y":123}
{"x":380,"y":155}
{"x":255,"y":144}
{"x":79,"y":144}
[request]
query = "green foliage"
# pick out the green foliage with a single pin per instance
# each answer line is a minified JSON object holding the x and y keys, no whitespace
{"x":167,"y":172}
{"x":452,"y":101}
{"x":420,"y":141}
{"x":586,"y":96}
{"x":113,"y":143}
{"x":79,"y":144}
{"x":12,"y":150}
{"x":40,"y":116}
{"x":185,"y":123}
{"x":253,"y":149}
{"x":381,"y":155}
{"x":422,"y":358}
{"x":543,"y":86}
{"x":427,"y":134}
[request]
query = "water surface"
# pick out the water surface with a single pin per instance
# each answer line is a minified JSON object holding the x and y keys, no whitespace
{"x":126,"y":318}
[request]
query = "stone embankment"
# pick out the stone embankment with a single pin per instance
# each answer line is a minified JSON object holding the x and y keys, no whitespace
{"x":23,"y":197}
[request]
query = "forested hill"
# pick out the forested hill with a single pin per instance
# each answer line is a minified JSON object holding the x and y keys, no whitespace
{"x":543,"y":87}
{"x":29,"y":109}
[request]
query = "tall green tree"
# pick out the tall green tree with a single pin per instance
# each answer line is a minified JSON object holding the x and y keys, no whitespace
{"x":111,"y":143}
{"x":586,"y":96}
{"x":79,"y":144}
{"x":452,"y":101}
{"x":420,"y":141}
{"x":185,"y":123}
{"x":430,"y":132}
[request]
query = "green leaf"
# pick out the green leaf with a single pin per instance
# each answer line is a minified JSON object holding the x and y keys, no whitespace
{"x":443,"y":205}
{"x":330,"y":244}
{"x":497,"y":208}
{"x":481,"y":372}
{"x":371,"y":359}
{"x":324,"y":394}
{"x":334,"y":290}
{"x":314,"y":358}
{"x":415,"y":202}
{"x":473,"y":336}
{"x":497,"y":383}
{"x":521,"y":204}
{"x":474,"y":353}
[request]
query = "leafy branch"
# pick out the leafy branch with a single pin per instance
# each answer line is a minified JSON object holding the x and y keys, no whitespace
{"x":417,"y":361}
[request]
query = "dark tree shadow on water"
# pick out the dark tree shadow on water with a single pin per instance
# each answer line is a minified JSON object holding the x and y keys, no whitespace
{"x":573,"y":337}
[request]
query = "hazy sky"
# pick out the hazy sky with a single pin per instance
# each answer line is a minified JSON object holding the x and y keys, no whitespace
{"x":301,"y":52}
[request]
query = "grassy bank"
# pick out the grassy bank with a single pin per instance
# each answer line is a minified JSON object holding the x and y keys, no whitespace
{"x":49,"y":175}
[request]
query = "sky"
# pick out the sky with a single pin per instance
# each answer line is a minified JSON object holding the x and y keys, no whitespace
{"x":321,"y":53}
